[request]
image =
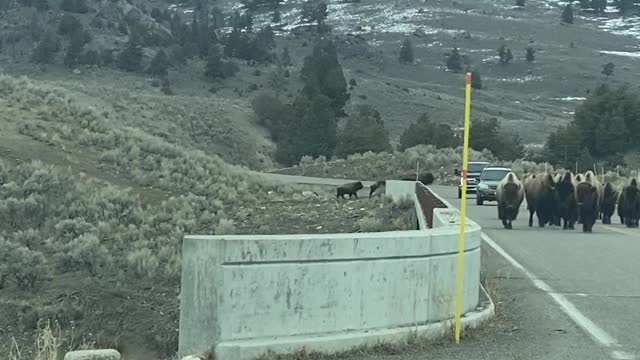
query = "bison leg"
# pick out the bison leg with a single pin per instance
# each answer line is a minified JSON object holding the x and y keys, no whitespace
{"x":510,"y":224}
{"x":531,"y":218}
{"x":505,"y":223}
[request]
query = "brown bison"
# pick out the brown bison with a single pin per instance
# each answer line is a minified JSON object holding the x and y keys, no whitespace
{"x":609,"y":199}
{"x":566,"y":203}
{"x":587,"y":205}
{"x":539,"y":192}
{"x":377,"y":188}
{"x":509,"y":194}
{"x":629,"y":205}
{"x":350,"y":189}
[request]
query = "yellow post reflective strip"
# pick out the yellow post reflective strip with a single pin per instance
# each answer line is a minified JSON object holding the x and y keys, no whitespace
{"x":463,"y":207}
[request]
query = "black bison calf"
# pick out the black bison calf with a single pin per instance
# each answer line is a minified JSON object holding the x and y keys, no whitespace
{"x":588,"y":205}
{"x":567,"y":205}
{"x":609,"y":199}
{"x":377,"y":187}
{"x":629,"y":205}
{"x":350,"y":189}
{"x":510,"y":195}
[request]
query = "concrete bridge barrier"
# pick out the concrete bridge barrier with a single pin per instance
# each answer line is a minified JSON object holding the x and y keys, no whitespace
{"x":245,"y":295}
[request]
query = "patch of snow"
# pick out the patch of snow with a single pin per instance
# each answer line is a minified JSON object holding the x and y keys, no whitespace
{"x":621,"y":53}
{"x":520,"y":80}
{"x":570,"y":98}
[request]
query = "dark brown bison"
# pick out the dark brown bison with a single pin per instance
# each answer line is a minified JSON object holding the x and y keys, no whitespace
{"x":539,"y":191}
{"x":425,"y":178}
{"x":510,"y":195}
{"x":350,"y":189}
{"x":609,"y":199}
{"x":377,"y":187}
{"x":588,"y":205}
{"x":566,"y":203}
{"x":629,"y":205}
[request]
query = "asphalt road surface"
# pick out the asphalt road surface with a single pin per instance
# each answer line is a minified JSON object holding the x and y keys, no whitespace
{"x":559,"y":294}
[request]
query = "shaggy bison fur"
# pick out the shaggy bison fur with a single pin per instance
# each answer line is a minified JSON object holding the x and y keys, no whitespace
{"x":379,"y":185}
{"x":629,"y":205}
{"x":565,"y":198}
{"x":608,"y":207}
{"x":350,"y":189}
{"x":588,"y":205}
{"x":509,"y":194}
{"x":539,"y":192}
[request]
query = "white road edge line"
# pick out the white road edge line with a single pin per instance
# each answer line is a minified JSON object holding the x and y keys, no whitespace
{"x":584,"y":322}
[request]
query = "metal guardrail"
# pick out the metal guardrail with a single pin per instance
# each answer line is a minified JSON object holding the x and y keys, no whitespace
{"x":428,"y":201}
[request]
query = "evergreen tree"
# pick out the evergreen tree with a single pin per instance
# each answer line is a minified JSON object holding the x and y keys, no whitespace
{"x":159,"y":64}
{"x":608,"y":68}
{"x":505,"y":55}
{"x":530,"y":54}
{"x":476,"y":80}
{"x":313,"y":133}
{"x":277,"y":17}
{"x":76,"y":6}
{"x":285,"y":58}
{"x":130,"y":59}
{"x":625,"y":5}
{"x":520,"y":2}
{"x":406,"y":52}
{"x":425,"y":132}
{"x":364,"y":131}
{"x":69,"y":25}
{"x":277,"y":80}
{"x":40,"y":5}
{"x":567,"y":14}
{"x":45,"y":52}
{"x":72,"y":56}
{"x":599,"y":6}
{"x":314,"y":11}
{"x":217,"y":68}
{"x":266,"y":38}
{"x":585,"y":161}
{"x":322,"y":74}
{"x":454,"y":61}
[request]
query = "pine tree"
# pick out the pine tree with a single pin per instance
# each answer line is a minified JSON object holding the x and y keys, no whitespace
{"x":599,"y":6}
{"x":608,"y":68}
{"x":454,"y":61}
{"x":313,"y":11}
{"x":68,"y":25}
{"x":530,"y":54}
{"x":625,"y":5}
{"x":74,"y":51}
{"x":476,"y":80}
{"x":520,"y":2}
{"x":364,"y":131}
{"x":277,"y":80}
{"x":45,"y":52}
{"x":159,"y":64}
{"x":285,"y":58}
{"x":130,"y":59}
{"x":585,"y":161}
{"x":567,"y":14}
{"x":406,"y":52}
{"x":322,"y":73}
{"x":216,"y":68}
{"x":266,"y":38}
{"x":277,"y":17}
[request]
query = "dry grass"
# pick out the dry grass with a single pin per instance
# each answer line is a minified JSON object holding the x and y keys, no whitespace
{"x":48,"y":342}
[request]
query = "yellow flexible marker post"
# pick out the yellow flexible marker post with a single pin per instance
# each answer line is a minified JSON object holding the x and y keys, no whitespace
{"x":463,"y":206}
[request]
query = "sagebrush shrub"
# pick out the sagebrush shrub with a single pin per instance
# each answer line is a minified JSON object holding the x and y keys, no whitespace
{"x":25,"y":265}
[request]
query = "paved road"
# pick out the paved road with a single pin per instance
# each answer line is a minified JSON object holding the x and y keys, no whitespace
{"x":598,"y":274}
{"x":583,"y":305}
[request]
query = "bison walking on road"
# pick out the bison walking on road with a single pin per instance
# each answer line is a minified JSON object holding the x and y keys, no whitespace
{"x":539,"y":192}
{"x":587,"y":205}
{"x":629,"y":205}
{"x":608,"y":207}
{"x":509,"y":194}
{"x":565,"y":197}
{"x":350,"y":189}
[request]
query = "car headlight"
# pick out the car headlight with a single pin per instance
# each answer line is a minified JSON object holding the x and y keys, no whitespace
{"x":483,"y":186}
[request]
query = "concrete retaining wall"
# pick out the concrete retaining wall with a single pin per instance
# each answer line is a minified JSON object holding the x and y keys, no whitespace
{"x":244,"y":295}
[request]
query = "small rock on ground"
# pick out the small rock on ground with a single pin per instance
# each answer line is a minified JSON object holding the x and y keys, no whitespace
{"x":104,"y":354}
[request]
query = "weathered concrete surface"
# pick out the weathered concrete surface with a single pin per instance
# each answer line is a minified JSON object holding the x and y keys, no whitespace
{"x":242,"y":295}
{"x":398,"y":189}
{"x":103,"y":354}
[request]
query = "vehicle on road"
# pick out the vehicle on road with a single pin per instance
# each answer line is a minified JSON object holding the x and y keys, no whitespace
{"x":488,"y":183}
{"x":473,"y":174}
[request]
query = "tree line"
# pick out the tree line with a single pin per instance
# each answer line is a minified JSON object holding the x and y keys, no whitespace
{"x":604,"y":129}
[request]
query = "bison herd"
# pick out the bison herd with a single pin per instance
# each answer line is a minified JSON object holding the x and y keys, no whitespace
{"x":564,"y":200}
